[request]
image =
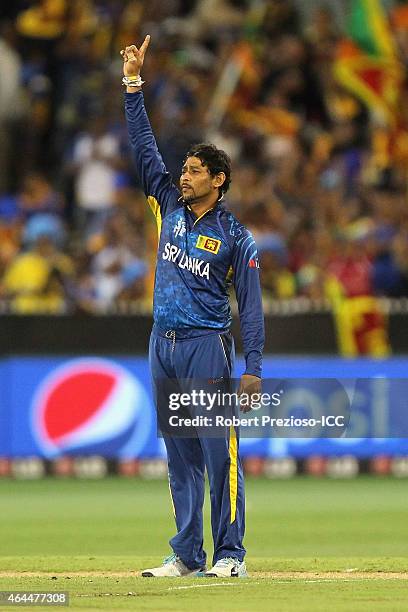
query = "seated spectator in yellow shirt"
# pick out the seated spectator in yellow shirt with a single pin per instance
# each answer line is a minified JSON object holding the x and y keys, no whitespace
{"x":36,"y":281}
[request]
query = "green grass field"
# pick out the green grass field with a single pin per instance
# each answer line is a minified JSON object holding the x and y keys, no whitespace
{"x":313,"y":544}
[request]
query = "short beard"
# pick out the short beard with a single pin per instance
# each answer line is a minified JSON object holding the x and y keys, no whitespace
{"x":190,"y":199}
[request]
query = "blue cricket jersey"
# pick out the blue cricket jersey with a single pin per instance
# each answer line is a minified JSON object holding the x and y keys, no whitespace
{"x":198,"y":257}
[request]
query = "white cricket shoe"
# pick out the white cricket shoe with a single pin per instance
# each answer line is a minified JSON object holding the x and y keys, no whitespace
{"x":172,"y":567}
{"x":228,"y":568}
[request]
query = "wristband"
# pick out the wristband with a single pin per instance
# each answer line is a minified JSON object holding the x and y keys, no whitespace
{"x":135,"y":81}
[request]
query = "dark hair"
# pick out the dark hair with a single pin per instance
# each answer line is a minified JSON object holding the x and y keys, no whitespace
{"x":215,"y":160}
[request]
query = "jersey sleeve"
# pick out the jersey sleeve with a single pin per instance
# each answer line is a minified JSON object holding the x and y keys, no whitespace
{"x":245,"y":264}
{"x":156,"y":181}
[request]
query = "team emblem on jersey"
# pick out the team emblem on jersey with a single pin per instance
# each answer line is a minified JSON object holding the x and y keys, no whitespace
{"x":180,"y":228}
{"x":212,"y":245}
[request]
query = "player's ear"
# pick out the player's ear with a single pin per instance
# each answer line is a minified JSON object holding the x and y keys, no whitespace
{"x":219,"y":179}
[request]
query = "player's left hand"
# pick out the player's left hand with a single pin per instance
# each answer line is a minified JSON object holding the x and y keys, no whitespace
{"x":249,"y":385}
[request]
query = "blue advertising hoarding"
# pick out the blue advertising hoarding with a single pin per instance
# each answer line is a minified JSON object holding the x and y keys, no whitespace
{"x":88,"y":405}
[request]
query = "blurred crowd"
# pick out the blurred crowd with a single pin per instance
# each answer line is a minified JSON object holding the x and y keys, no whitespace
{"x":313,"y":177}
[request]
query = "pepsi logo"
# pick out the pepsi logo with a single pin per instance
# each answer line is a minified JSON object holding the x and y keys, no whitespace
{"x":91,"y":406}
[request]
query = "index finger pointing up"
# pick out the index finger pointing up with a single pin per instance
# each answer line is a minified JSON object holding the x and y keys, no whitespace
{"x":145,"y":44}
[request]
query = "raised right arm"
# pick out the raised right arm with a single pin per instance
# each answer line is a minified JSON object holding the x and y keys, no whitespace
{"x":156,"y":181}
{"x":157,"y":184}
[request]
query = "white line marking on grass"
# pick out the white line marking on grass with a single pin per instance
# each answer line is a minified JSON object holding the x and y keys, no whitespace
{"x":256,"y":582}
{"x":203,"y":586}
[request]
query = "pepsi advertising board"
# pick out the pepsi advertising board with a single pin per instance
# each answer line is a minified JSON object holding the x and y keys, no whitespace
{"x":51,"y":407}
{"x":82,"y":406}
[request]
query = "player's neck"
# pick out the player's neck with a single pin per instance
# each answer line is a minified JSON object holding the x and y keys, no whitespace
{"x":201,"y":207}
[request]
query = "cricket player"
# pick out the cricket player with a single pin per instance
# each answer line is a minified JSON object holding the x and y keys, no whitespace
{"x":202,"y":249}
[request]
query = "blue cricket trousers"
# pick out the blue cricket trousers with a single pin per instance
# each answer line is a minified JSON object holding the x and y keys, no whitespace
{"x":209,"y":356}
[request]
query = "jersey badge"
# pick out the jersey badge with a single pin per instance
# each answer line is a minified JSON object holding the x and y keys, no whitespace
{"x":212,"y":245}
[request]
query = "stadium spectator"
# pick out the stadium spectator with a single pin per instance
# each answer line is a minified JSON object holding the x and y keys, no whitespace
{"x":96,"y":161}
{"x":37,"y":196}
{"x":117,"y":268}
{"x":36,"y":281}
{"x":11,"y":103}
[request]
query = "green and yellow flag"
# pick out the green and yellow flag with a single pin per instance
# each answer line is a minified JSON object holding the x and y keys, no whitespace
{"x":366,"y":63}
